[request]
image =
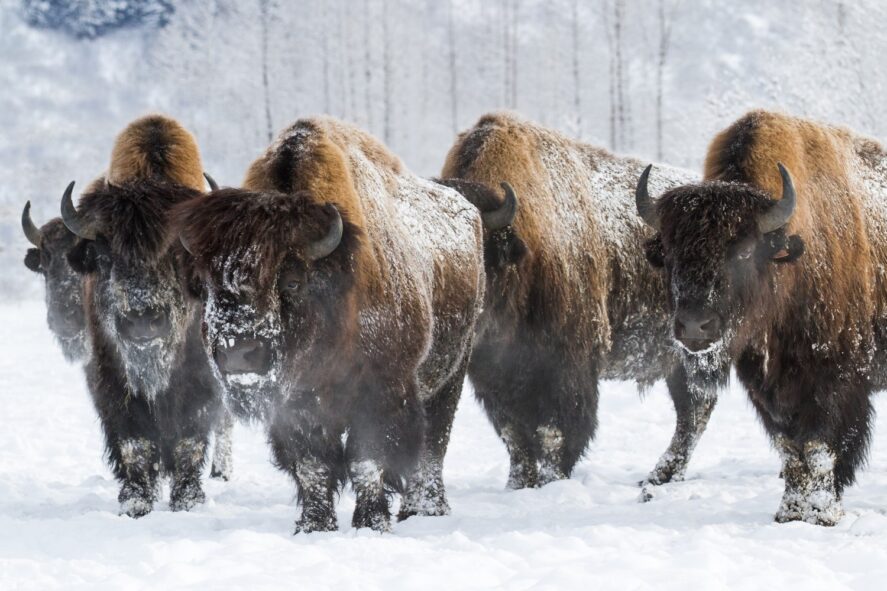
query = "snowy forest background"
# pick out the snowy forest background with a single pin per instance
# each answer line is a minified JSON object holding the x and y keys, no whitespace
{"x":654,"y":78}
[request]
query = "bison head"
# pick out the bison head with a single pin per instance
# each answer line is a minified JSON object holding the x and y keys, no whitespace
{"x":135,"y":265}
{"x":504,"y":250}
{"x":276,"y":272}
{"x":64,"y":296}
{"x":718,"y":243}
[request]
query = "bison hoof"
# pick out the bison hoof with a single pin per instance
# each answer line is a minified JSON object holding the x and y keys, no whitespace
{"x":427,"y":508}
{"x":185,"y":496}
{"x":827,"y":513}
{"x":135,"y":501}
{"x":307,"y":526}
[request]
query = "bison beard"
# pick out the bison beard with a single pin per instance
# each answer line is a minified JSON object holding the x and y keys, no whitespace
{"x":569,"y":300}
{"x":341,"y":295}
{"x":148,"y":375}
{"x":794,"y":311}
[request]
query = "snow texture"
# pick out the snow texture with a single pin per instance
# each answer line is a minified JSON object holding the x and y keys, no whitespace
{"x":58,"y":508}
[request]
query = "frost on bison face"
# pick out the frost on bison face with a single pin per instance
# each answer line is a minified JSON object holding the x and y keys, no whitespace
{"x":716,"y":242}
{"x":64,"y":293}
{"x":136,"y":287}
{"x":266,"y":305}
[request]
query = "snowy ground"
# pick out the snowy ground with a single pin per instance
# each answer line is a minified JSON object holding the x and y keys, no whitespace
{"x":59,"y":526}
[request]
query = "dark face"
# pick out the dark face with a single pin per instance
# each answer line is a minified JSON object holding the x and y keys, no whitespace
{"x":268,"y":306}
{"x":717,"y":260}
{"x":138,"y":294}
{"x":259,"y":333}
{"x":64,"y":294}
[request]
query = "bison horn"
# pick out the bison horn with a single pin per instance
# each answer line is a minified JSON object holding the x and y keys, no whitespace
{"x":645,"y":205}
{"x":213,"y":185}
{"x":504,"y":215}
{"x":326,"y":245}
{"x":32,"y":232}
{"x":781,"y":211}
{"x":72,"y":219}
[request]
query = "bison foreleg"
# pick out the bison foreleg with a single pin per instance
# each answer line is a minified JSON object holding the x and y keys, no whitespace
{"x":137,"y":466}
{"x":316,"y":487}
{"x":189,"y":455}
{"x":693,"y":411}
{"x":371,"y":504}
{"x":222,"y":462}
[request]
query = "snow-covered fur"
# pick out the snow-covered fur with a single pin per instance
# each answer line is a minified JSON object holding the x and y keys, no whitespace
{"x":370,"y":341}
{"x":801,"y":308}
{"x":569,"y":298}
{"x":157,"y":398}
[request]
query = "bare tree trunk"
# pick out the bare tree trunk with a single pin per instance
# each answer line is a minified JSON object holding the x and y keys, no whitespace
{"x":665,"y":21}
{"x":612,"y":74}
{"x":263,"y":7}
{"x":386,"y":70}
{"x":368,"y":64}
{"x":619,"y":16}
{"x":324,"y":27}
{"x":454,"y":90}
{"x":577,"y":98}
{"x":513,"y":52}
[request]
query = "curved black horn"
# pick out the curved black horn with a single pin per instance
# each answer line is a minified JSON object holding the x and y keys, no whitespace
{"x":781,"y":211}
{"x":504,"y":215}
{"x":32,"y":232}
{"x":72,"y":218}
{"x":326,"y":245}
{"x":645,"y":205}
{"x":213,"y":185}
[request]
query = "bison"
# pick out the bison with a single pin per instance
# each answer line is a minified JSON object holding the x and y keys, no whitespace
{"x":152,"y":386}
{"x":569,"y":298}
{"x":341,"y":297}
{"x":776,"y":263}
{"x":63,"y":286}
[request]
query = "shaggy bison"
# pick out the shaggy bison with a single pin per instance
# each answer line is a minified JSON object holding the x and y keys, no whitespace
{"x":341,"y":297}
{"x":777,"y":263}
{"x":156,"y":396}
{"x":569,"y":296}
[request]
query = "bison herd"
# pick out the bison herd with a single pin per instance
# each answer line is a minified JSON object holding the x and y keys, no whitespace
{"x":341,"y":300}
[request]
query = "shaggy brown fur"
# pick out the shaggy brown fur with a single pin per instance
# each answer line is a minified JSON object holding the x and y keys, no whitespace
{"x":569,"y":298}
{"x":367,"y":334}
{"x":154,"y":147}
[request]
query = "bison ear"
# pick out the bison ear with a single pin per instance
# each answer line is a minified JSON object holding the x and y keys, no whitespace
{"x":793,"y":249}
{"x":654,"y":252}
{"x":82,"y":257}
{"x":32,"y":260}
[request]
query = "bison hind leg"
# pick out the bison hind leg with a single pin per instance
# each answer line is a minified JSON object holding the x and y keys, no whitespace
{"x":810,"y":493}
{"x":425,"y":492}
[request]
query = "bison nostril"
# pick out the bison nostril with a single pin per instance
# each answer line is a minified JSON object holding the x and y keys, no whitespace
{"x":243,"y":356}
{"x":143,"y":326}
